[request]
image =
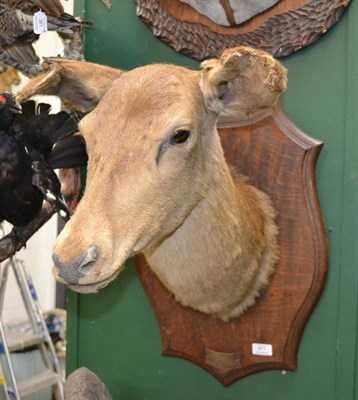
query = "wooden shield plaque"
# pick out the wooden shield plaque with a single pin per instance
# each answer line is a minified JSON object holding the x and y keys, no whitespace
{"x":285,"y":27}
{"x":280,"y":160}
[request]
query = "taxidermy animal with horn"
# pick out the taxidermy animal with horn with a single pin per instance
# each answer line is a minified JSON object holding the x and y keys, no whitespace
{"x":158,"y":182}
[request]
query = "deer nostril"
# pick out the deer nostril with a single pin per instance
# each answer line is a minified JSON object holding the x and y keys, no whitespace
{"x":72,"y":271}
{"x":90,"y":257}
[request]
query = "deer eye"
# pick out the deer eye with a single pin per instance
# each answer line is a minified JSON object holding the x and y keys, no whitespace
{"x":180,"y":137}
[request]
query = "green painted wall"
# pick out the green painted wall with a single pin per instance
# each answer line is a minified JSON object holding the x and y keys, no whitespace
{"x":115,"y":333}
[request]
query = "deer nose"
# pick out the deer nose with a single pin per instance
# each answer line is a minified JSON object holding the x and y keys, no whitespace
{"x":71,"y":272}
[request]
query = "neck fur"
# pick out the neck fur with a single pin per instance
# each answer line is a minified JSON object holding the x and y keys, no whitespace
{"x":219,"y":258}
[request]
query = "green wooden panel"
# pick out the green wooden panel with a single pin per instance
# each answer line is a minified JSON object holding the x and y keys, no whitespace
{"x":115,"y":333}
{"x":348,"y":325}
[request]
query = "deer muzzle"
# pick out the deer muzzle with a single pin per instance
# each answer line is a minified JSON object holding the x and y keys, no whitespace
{"x":80,"y":273}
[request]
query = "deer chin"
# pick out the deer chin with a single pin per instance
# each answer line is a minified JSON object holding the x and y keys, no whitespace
{"x":94,"y":287}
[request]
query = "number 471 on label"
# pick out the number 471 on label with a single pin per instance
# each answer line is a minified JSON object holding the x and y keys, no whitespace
{"x":260,"y":349}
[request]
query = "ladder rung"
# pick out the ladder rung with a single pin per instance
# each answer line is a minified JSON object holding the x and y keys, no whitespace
{"x":38,"y":382}
{"x":22,"y":340}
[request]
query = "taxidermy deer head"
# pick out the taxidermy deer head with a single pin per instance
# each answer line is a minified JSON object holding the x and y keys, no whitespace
{"x":158,"y":182}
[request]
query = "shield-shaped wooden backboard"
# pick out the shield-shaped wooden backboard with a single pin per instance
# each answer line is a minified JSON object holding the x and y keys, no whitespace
{"x":279,"y":159}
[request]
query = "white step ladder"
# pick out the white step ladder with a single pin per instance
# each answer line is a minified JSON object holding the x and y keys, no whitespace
{"x":10,"y":389}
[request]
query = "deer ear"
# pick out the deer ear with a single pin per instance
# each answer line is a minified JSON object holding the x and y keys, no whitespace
{"x":244,"y":82}
{"x":80,"y":83}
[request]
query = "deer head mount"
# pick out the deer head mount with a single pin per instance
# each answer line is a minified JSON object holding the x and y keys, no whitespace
{"x":158,"y":182}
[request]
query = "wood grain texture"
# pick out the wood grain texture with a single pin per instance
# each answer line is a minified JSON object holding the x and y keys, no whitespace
{"x":279,"y":159}
{"x":281,"y":30}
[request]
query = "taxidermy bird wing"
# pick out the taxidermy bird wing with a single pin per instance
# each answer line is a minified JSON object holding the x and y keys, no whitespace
{"x":40,"y":130}
{"x":23,"y":53}
{"x":19,"y":200}
{"x":45,"y":180}
{"x":53,"y":9}
{"x":68,"y":152}
{"x":17,"y":28}
{"x":51,"y":135}
{"x":50,"y":7}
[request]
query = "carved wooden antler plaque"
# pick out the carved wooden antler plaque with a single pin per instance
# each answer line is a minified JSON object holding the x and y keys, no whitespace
{"x":282,"y":29}
{"x":280,"y":160}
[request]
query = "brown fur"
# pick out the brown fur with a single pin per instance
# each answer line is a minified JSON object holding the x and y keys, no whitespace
{"x":209,"y":237}
{"x":8,"y":77}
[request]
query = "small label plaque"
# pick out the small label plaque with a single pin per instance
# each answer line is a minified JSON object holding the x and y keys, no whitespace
{"x":261,"y":349}
{"x":40,"y":22}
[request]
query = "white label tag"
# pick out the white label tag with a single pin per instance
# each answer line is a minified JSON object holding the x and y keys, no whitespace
{"x":260,"y":349}
{"x":40,"y":22}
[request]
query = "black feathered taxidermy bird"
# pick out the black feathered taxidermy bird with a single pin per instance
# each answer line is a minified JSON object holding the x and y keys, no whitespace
{"x":17,"y":30}
{"x":33,"y":142}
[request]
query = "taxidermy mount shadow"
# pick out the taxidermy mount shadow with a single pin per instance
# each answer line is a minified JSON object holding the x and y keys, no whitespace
{"x":158,"y":184}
